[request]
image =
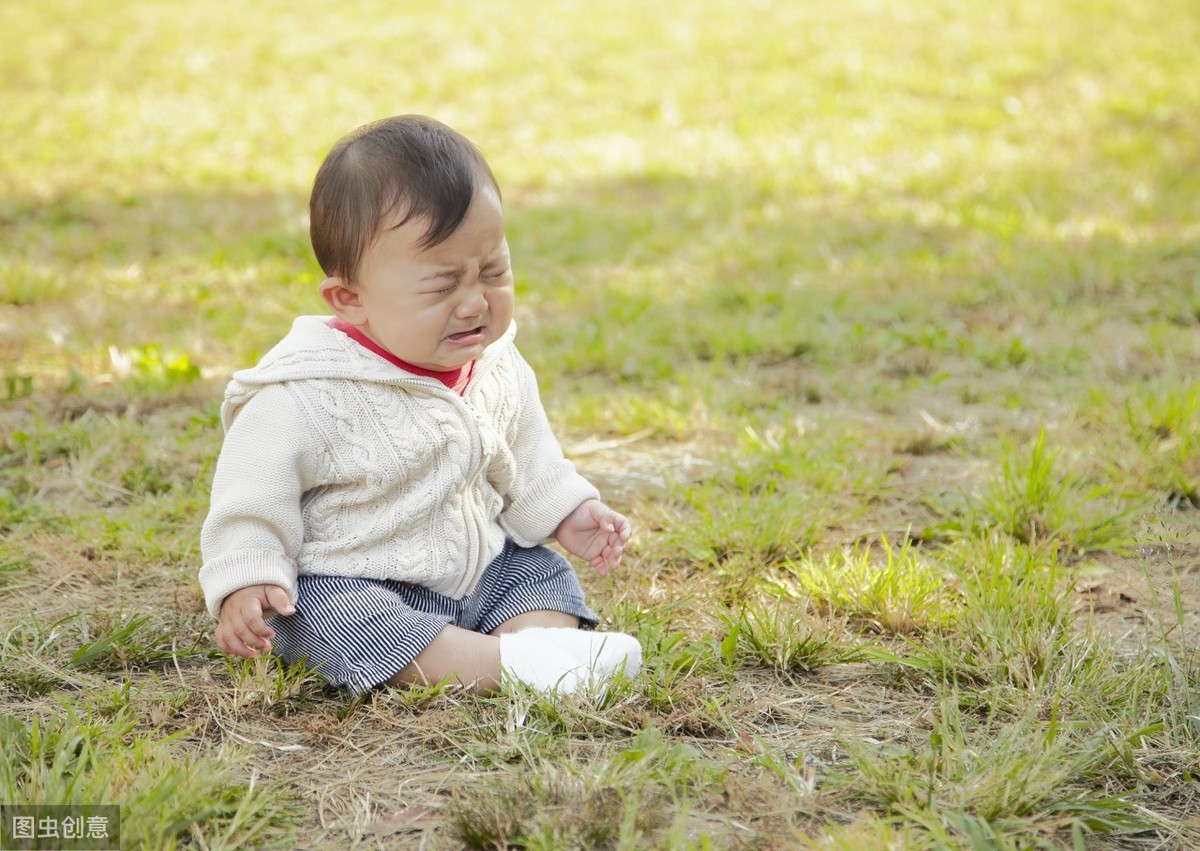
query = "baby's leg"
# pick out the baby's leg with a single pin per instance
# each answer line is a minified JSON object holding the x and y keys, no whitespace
{"x":475,"y":660}
{"x":541,"y":617}
{"x":363,"y":633}
{"x":467,"y":657}
{"x":530,"y":602}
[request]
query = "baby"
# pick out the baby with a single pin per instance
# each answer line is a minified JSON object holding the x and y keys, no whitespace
{"x":389,"y":476}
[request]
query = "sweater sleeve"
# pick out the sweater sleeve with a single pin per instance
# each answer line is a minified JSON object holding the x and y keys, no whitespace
{"x":547,"y":487}
{"x":254,"y":529}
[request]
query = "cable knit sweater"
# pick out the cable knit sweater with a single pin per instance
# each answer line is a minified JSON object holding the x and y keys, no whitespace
{"x":337,"y":462}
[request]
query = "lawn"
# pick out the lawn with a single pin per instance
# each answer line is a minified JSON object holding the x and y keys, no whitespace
{"x":881,"y":321}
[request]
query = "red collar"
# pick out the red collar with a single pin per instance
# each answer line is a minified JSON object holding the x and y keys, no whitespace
{"x":455,"y":379}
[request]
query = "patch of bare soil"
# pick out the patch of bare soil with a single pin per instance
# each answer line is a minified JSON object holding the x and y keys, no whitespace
{"x":1128,"y":596}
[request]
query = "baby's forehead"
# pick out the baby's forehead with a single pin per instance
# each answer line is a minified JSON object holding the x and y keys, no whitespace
{"x":480,"y":236}
{"x":400,"y":208}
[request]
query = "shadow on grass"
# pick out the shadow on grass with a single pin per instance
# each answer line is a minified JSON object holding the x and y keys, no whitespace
{"x":625,"y":277}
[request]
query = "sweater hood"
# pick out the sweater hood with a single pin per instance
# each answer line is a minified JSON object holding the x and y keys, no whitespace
{"x":313,"y":350}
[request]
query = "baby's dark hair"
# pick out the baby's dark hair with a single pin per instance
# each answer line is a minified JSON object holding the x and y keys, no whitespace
{"x":408,"y":166}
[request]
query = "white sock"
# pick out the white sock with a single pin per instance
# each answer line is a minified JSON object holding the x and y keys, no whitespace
{"x":602,"y":654}
{"x":526,"y":656}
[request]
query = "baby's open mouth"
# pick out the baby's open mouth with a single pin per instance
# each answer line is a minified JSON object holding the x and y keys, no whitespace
{"x":464,"y":336}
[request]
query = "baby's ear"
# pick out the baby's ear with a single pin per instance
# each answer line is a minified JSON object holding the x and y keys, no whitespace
{"x":342,"y":300}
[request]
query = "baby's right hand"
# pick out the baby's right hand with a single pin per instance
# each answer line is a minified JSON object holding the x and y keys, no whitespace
{"x":242,"y":630}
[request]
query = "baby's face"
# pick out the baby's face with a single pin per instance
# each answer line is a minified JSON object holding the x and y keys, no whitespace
{"x":440,"y":307}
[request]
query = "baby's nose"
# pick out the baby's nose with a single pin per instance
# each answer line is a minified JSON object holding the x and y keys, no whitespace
{"x":473,"y":304}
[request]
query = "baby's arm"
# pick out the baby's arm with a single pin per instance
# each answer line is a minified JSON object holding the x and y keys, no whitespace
{"x":254,"y":530}
{"x":596,"y":534}
{"x":546,"y":486}
{"x":242,"y":630}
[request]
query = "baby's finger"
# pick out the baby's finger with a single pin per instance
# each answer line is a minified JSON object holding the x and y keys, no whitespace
{"x":278,"y":600}
{"x":255,"y":641}
{"x":250,"y":629}
{"x":609,"y":559}
{"x":259,"y":631}
{"x":242,"y":649}
{"x":228,"y":639}
{"x":222,"y":643}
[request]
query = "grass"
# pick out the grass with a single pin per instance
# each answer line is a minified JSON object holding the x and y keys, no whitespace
{"x":96,"y":750}
{"x":1019,"y":784}
{"x":1031,"y":502}
{"x":896,"y":593}
{"x":880,"y":321}
{"x":641,"y":796}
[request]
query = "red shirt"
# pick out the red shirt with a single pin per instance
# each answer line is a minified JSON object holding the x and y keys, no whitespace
{"x":456,"y":379}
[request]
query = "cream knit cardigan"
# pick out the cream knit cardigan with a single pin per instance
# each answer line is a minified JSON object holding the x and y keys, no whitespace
{"x":336,"y":462}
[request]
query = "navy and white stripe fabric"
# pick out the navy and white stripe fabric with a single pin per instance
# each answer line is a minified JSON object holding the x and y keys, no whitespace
{"x":359,"y":633}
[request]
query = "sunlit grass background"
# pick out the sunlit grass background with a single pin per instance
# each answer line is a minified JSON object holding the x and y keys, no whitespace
{"x":882,"y":320}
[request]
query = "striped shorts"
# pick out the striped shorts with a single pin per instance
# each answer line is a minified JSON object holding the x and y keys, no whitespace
{"x":359,"y":633}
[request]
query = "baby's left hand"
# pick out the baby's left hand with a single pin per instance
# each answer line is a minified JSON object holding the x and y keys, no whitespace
{"x":596,"y":534}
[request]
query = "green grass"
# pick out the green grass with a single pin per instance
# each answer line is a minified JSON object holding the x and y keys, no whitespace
{"x":95,"y":752}
{"x":1018,"y":784}
{"x":641,"y":796}
{"x":897,"y":592}
{"x":879,"y":320}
